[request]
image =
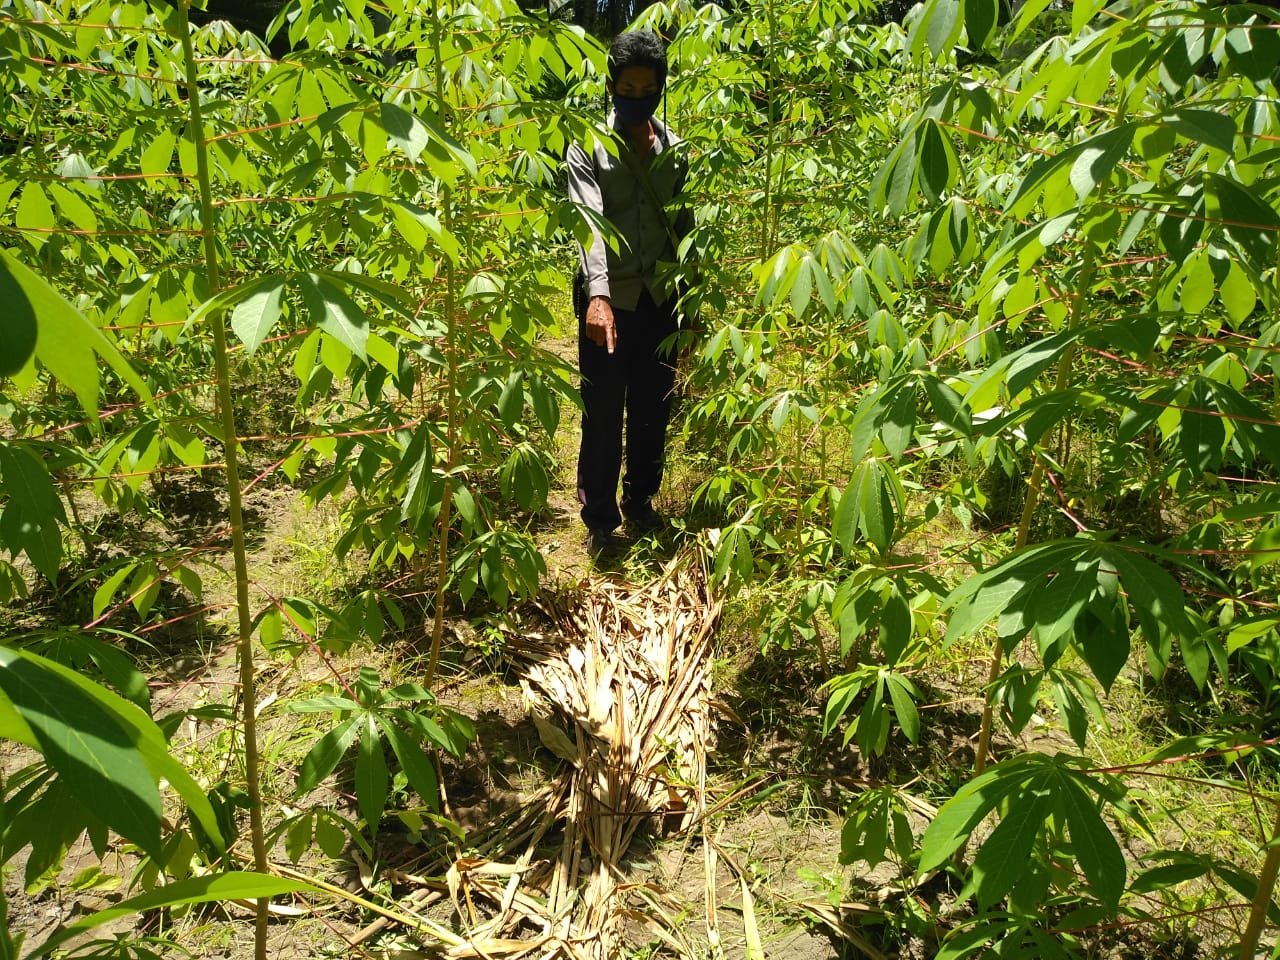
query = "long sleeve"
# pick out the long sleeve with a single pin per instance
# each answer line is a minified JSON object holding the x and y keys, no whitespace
{"x":585,"y":190}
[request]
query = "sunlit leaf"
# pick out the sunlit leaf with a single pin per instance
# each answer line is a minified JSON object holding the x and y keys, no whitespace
{"x":259,"y":311}
{"x":66,"y":343}
{"x":335,"y":313}
{"x":233,"y":885}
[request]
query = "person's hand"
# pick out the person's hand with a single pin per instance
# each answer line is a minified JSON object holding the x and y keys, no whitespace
{"x":601,"y":328}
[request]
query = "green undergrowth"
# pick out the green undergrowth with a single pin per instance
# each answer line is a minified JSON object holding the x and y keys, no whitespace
{"x":979,"y":437}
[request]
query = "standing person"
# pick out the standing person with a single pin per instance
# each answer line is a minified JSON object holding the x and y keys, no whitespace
{"x":624,"y":310}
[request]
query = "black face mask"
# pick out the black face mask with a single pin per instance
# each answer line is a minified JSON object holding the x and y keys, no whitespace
{"x":634,"y":111}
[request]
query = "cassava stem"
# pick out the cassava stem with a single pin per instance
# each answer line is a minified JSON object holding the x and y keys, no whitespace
{"x":1034,"y":486}
{"x":451,"y":362}
{"x":248,"y":695}
{"x":1262,"y":899}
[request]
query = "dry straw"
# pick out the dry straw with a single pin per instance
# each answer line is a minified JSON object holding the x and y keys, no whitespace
{"x":622,"y":695}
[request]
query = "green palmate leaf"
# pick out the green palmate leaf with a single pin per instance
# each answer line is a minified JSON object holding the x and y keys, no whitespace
{"x":298,"y":835}
{"x":898,"y":425}
{"x":150,"y":743}
{"x":1056,"y":606}
{"x":1251,"y":223}
{"x":223,"y":886}
{"x":895,"y":623}
{"x":980,"y":18}
{"x":117,"y":668}
{"x":865,"y":835}
{"x":30,"y":520}
{"x":324,"y":756}
{"x":82,"y":741}
{"x":1204,"y":126}
{"x":1072,"y":706}
{"x":844,"y":523}
{"x":18,"y":332}
{"x":325,"y":704}
{"x":45,"y":827}
{"x":452,"y":734}
{"x":417,"y":767}
{"x":546,"y":407}
{"x":1155,"y":597}
{"x":802,"y":284}
{"x":66,"y":343}
{"x":404,"y":130}
{"x":1095,"y":847}
{"x":259,"y":311}
{"x":414,"y":135}
{"x":1197,"y":284}
{"x":422,"y":494}
{"x":1248,"y":419}
{"x":902,"y":694}
{"x":13,"y":727}
{"x":158,"y":154}
{"x":1025,"y":365}
{"x":73,"y":207}
{"x":1082,"y":11}
{"x":1262,"y":550}
{"x":511,"y":399}
{"x":1253,"y":50}
{"x":1196,"y":658}
{"x":410,"y":691}
{"x":1005,"y":857}
{"x":1201,"y":435}
{"x":390,"y":295}
{"x":371,"y":775}
{"x":980,"y":605}
{"x":35,"y":215}
{"x":977,"y":940}
{"x":940,"y":25}
{"x":982,"y":597}
{"x":1238,"y":294}
{"x":869,"y":508}
{"x":335,"y":313}
{"x":1168,"y":875}
{"x":965,"y":810}
{"x":948,"y":406}
{"x":1039,"y":414}
{"x":891,"y":189}
{"x":1018,"y":690}
{"x":939,"y":166}
{"x":1084,"y":165}
{"x":417,"y":226}
{"x":1103,"y":641}
{"x":1182,"y":226}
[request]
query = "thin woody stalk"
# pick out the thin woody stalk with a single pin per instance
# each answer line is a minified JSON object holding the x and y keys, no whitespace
{"x":248,"y":693}
{"x":1262,"y":899}
{"x":1034,"y":487}
{"x":767,"y":221}
{"x":451,"y":400}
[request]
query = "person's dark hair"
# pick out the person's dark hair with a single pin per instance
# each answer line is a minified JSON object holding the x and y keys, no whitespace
{"x":638,"y":48}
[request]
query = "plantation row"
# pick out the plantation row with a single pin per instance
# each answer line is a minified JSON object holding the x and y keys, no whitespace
{"x":988,"y":373}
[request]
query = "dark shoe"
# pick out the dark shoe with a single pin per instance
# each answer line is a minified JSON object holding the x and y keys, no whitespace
{"x":601,"y":542}
{"x":644,"y":519}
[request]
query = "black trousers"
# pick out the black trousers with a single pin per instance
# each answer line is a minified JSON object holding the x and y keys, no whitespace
{"x":635,"y":380}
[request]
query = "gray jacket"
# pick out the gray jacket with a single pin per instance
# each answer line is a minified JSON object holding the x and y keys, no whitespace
{"x":608,"y":185}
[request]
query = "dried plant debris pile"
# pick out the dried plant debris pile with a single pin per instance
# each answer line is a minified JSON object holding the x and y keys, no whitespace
{"x":622,"y":695}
